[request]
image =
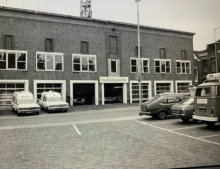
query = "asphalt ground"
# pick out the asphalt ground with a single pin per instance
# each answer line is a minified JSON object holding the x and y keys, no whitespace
{"x":106,"y":138}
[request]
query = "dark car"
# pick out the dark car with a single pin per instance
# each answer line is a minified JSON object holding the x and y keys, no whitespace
{"x":184,"y":109}
{"x":79,"y":98}
{"x":160,"y":105}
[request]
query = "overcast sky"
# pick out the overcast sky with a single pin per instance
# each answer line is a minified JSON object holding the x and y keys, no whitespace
{"x":198,"y":16}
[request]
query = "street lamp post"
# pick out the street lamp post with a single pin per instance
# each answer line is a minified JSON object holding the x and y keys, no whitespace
{"x":139,"y":57}
{"x":216,"y":55}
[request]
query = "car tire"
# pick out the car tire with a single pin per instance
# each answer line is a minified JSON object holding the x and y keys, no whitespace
{"x":162,"y":115}
{"x":185,"y":120}
{"x":154,"y":116}
{"x":210,"y":124}
{"x":36,"y":113}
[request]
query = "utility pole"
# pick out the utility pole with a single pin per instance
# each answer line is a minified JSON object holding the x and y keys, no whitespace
{"x":216,"y":54}
{"x":139,"y":54}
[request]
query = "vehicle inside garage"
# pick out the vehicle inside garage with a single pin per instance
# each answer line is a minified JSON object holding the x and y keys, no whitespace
{"x":83,"y":94}
{"x":113,"y":93}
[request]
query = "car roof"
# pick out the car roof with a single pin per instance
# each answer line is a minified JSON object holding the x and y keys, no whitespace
{"x":51,"y":94}
{"x":209,"y":84}
{"x":23,"y":94}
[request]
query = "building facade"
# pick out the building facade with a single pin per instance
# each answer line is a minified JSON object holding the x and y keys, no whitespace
{"x":89,"y":57}
{"x":207,"y":60}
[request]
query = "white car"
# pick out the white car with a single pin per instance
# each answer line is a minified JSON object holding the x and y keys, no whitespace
{"x":52,"y":101}
{"x":24,"y":103}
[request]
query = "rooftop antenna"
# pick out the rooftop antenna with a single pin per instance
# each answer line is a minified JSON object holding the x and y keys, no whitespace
{"x":85,"y":8}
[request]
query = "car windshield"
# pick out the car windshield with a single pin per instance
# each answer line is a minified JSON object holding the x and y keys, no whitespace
{"x":188,"y":101}
{"x":26,"y":101}
{"x":54,"y":99}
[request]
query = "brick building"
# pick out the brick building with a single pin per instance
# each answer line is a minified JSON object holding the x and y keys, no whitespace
{"x":207,"y":60}
{"x":43,"y":51}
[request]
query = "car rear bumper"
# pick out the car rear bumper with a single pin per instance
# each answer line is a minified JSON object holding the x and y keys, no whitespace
{"x":58,"y":108}
{"x":28,"y":111}
{"x":204,"y":118}
{"x":144,"y":113}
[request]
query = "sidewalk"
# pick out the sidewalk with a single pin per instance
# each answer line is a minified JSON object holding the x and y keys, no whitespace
{"x":6,"y":111}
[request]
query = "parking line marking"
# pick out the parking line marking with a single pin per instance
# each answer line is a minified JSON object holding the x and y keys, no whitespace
{"x":200,"y":139}
{"x":165,"y":122}
{"x":210,"y":136}
{"x":76,"y":129}
{"x":183,"y":128}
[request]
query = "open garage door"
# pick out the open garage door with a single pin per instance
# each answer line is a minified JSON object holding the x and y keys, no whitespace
{"x":83,"y":94}
{"x":113,"y":93}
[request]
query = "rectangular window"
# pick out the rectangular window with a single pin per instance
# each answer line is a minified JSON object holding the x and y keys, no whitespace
{"x":84,"y":47}
{"x":163,"y":87}
{"x":203,"y":92}
{"x":182,"y":87}
{"x":212,"y":65}
{"x":204,"y":66}
{"x":144,"y":65}
{"x":8,"y":42}
{"x":45,"y":87}
{"x":10,"y":88}
{"x":183,"y":67}
{"x":183,"y":54}
{"x":113,"y":66}
{"x":113,"y":45}
{"x":49,"y":61}
{"x":83,"y":63}
{"x":144,"y":91}
{"x":49,"y":45}
{"x":162,"y":53}
{"x":13,"y":60}
{"x":162,"y":66}
{"x":136,"y":51}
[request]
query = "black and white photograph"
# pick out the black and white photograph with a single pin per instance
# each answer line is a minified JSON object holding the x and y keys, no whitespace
{"x":109,"y":84}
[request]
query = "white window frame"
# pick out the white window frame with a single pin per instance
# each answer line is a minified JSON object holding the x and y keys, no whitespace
{"x":162,"y":60}
{"x":26,"y":83}
{"x":182,"y":81}
{"x":87,"y":56}
{"x":16,"y":62}
{"x":162,"y":81}
{"x":149,"y":89}
{"x":95,"y":82}
{"x":63,"y":86}
{"x":181,"y":69}
{"x":53,"y":54}
{"x":142,"y":65}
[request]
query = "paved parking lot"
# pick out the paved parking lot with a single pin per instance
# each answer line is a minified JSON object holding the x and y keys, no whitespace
{"x":116,"y":138}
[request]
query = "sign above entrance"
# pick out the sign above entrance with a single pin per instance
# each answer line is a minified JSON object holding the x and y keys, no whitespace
{"x":113,"y":79}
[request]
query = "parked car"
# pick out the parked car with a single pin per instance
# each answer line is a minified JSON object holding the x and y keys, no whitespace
{"x":160,"y":105}
{"x":110,"y":99}
{"x":78,"y":98}
{"x":51,"y":101}
{"x":23,"y":103}
{"x":184,"y":109}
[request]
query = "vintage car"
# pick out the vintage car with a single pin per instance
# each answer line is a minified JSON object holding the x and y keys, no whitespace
{"x":184,"y":109}
{"x":52,"y":101}
{"x":23,"y":103}
{"x":160,"y":105}
{"x":78,"y":98}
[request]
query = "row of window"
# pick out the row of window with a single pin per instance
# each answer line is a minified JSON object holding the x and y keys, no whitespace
{"x":45,"y":61}
{"x":160,"y":66}
{"x":84,"y":46}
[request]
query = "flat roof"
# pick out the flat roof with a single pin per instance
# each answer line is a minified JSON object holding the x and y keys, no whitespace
{"x":94,"y":20}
